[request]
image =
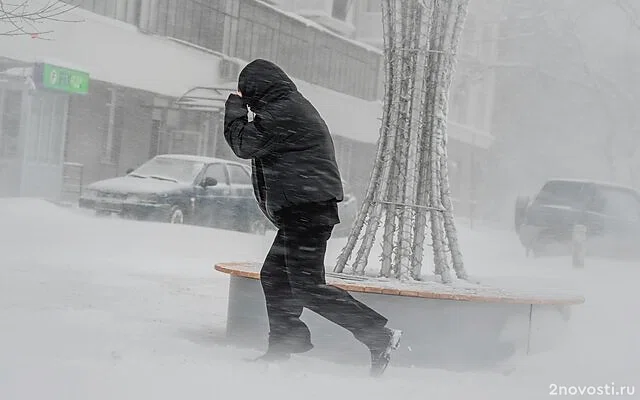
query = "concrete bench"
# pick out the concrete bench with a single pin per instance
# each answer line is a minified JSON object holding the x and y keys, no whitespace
{"x":467,"y":326}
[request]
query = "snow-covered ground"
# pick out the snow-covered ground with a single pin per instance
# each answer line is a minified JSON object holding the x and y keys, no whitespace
{"x":102,"y":308}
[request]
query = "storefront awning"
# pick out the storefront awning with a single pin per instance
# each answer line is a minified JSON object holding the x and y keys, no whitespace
{"x":201,"y":98}
{"x":7,"y":64}
{"x":345,"y":116}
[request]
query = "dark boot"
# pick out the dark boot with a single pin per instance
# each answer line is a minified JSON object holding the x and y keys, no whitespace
{"x":297,"y":339}
{"x":381,"y":343}
{"x":280,"y":348}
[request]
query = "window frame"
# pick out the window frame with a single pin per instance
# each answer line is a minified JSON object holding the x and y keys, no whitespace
{"x":244,"y":172}
{"x":224,"y":171}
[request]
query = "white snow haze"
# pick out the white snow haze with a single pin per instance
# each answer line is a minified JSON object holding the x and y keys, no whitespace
{"x":101,"y":307}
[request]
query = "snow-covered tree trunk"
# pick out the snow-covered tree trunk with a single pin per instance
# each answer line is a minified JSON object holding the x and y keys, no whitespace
{"x":409,"y":185}
{"x":450,"y":42}
{"x":371,"y":209}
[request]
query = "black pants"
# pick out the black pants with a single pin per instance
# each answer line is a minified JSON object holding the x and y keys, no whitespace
{"x":293,"y":277}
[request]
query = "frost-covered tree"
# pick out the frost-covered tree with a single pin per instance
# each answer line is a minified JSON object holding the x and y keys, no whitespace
{"x":409,"y":191}
{"x":609,"y":73}
{"x":25,"y":17}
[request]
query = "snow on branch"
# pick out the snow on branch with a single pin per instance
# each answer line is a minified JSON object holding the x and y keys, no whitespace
{"x":23,"y":18}
{"x":630,"y":11}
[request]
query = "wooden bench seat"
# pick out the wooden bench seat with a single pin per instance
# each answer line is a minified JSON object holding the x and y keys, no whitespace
{"x":427,"y":290}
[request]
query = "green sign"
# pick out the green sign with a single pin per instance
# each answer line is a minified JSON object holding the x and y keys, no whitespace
{"x":52,"y":77}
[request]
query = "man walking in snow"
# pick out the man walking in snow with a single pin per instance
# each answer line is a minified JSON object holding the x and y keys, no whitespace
{"x":297,"y":185}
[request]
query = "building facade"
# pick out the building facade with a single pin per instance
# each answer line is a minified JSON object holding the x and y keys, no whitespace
{"x":143,"y":56}
{"x":34,"y":101}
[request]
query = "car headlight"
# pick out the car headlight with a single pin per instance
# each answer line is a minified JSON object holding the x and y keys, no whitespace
{"x":142,"y":198}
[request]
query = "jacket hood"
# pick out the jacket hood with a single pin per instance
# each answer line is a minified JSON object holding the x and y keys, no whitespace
{"x":262,"y":82}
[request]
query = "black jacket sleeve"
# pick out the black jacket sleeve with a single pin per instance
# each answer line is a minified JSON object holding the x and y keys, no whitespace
{"x":250,"y":139}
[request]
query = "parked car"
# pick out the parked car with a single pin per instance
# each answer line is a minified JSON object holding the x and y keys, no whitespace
{"x":611,"y":214}
{"x":181,"y":189}
{"x":193,"y":190}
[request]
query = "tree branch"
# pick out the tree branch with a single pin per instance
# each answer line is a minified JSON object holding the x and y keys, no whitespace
{"x":630,"y":12}
{"x":21,"y":18}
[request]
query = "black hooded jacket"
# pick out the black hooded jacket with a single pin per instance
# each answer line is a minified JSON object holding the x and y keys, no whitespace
{"x":291,"y":150}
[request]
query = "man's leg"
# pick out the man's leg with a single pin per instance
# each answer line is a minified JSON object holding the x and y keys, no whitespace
{"x":287,"y":333}
{"x":305,"y":253}
{"x":306,"y":247}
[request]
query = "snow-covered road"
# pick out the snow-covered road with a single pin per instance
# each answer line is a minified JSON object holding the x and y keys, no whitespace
{"x":96,"y":308}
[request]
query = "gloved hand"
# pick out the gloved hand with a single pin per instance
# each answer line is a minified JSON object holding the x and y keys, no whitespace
{"x":234,"y":108}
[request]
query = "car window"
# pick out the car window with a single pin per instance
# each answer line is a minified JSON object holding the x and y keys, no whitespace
{"x":217,"y":171}
{"x":238,"y":175}
{"x":169,"y":168}
{"x":617,"y":203}
{"x":559,"y":193}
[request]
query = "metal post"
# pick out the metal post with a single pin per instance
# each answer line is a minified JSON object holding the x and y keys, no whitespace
{"x":530,"y":328}
{"x":472,"y":181}
{"x":578,"y":242}
{"x":26,"y":116}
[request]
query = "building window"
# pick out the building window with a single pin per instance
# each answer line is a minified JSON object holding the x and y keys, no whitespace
{"x":217,"y":172}
{"x":337,"y":64}
{"x":154,"y":143}
{"x":238,"y":175}
{"x":10,"y":116}
{"x":374,"y":6}
{"x":340,"y":9}
{"x":258,"y":31}
{"x":185,"y":142}
{"x":122,"y":10}
{"x":460,"y":102}
{"x":480,"y":105}
{"x":469,"y":44}
{"x":58,"y":129}
{"x":113,"y":136}
{"x":44,"y":142}
{"x":488,"y":47}
{"x":197,"y":22}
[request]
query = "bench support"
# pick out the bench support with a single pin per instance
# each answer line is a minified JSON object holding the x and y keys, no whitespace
{"x":437,"y":333}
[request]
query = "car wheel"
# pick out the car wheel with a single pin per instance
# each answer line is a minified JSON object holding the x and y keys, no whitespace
{"x":176,"y":216}
{"x":533,"y":253}
{"x":522,"y":203}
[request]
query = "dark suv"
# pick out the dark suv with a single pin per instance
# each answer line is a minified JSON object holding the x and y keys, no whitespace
{"x":610,"y":213}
